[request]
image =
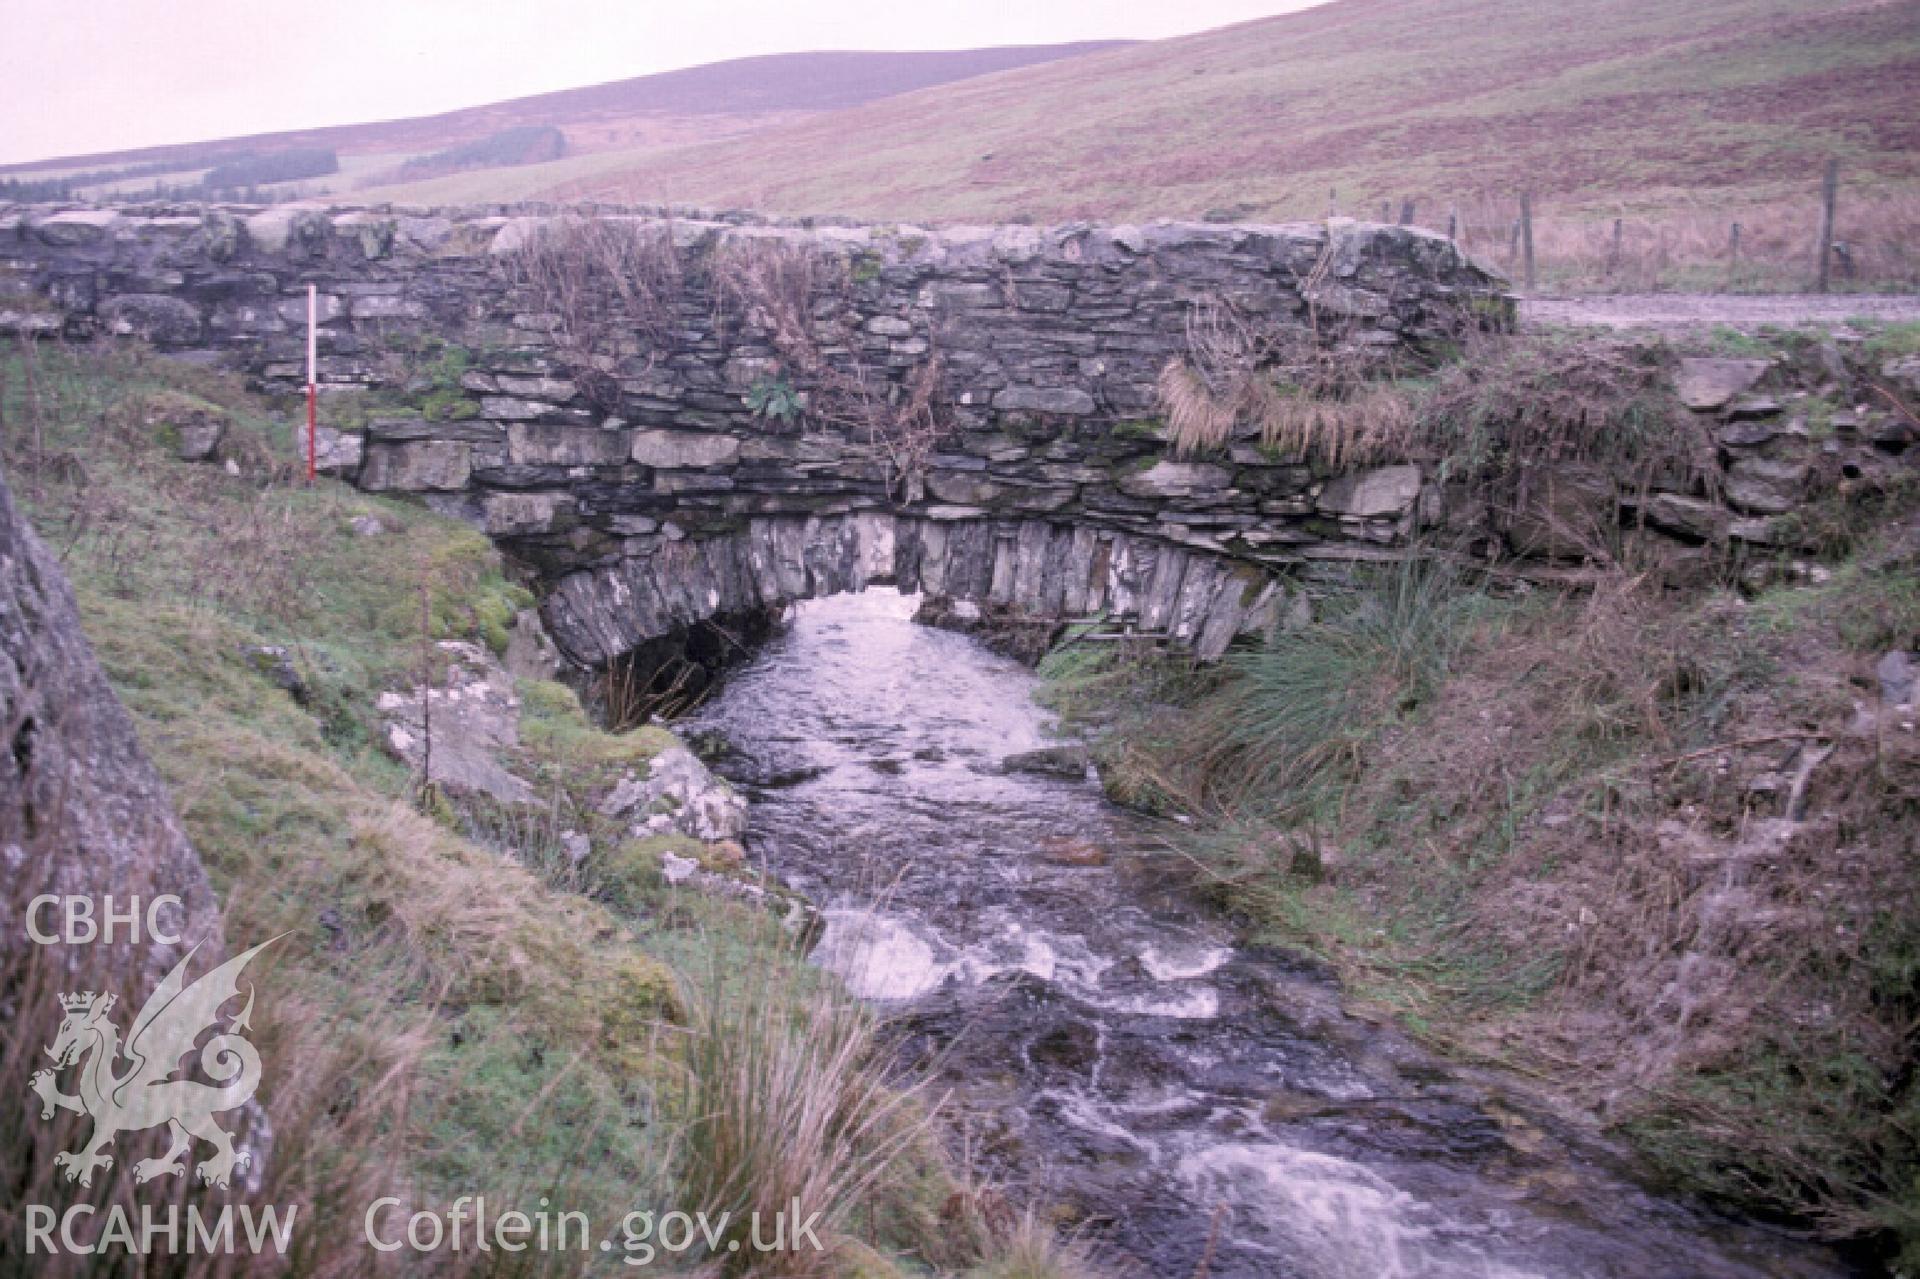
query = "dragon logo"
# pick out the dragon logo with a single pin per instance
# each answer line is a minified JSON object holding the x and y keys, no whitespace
{"x":145,"y":1094}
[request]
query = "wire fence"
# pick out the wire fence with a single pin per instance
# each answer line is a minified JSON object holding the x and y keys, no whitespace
{"x":1867,"y":242}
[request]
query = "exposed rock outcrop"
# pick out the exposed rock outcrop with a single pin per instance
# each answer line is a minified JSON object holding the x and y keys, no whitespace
{"x":459,"y":729}
{"x":1070,"y":760}
{"x":679,"y":794}
{"x":83,"y":814}
{"x":82,"y":811}
{"x":1706,"y":383}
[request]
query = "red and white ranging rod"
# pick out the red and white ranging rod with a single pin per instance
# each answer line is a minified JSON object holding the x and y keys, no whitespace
{"x":313,"y":381}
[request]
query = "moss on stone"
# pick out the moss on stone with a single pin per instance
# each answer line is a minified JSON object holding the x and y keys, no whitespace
{"x":629,"y":874}
{"x":639,"y":996}
{"x":1141,"y":429}
{"x":866,"y":267}
{"x":554,"y":724}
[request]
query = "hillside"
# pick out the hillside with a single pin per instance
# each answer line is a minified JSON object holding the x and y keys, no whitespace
{"x":1441,"y":100}
{"x":695,"y":104}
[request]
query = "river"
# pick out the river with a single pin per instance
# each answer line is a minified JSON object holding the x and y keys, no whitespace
{"x":1110,"y":1047}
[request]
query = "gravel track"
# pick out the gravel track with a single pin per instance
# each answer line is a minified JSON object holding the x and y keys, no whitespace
{"x":1694,"y":310}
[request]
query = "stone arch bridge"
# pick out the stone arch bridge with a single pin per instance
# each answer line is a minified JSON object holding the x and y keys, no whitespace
{"x":689,"y":463}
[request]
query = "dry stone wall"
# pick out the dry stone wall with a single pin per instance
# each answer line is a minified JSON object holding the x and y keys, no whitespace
{"x":1045,"y":483}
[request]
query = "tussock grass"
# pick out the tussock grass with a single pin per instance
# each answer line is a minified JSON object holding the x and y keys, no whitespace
{"x":1368,"y":425}
{"x":1201,"y":419}
{"x":1551,"y":829}
{"x":1307,"y":398}
{"x":1130,"y":699}
{"x":787,"y":1098}
{"x":335,"y":1103}
{"x":1293,"y":717}
{"x":1503,"y":415}
{"x":600,"y":281}
{"x":1031,"y":1249}
{"x":1359,"y":426}
{"x":1510,"y":409}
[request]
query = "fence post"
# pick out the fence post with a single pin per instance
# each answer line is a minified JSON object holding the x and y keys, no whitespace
{"x":1829,"y":190}
{"x":1613,"y":258}
{"x":1526,"y":236}
{"x":1453,"y":225}
{"x":1386,"y":211}
{"x":1406,"y":212}
{"x":1333,"y":202}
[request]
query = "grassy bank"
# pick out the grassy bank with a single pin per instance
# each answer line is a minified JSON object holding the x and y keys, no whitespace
{"x":1650,"y":841}
{"x":458,"y":1006}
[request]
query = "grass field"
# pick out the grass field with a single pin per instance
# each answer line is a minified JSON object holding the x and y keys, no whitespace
{"x":1445,"y":101}
{"x":1644,"y":136}
{"x":525,"y":182}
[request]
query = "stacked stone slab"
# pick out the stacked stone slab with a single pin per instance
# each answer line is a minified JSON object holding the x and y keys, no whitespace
{"x":1036,"y":567}
{"x":1052,"y":490}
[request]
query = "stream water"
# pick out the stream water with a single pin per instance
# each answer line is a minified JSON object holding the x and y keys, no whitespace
{"x":1111,"y":1049}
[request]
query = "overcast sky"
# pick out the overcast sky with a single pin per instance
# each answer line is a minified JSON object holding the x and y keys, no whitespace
{"x":78,"y":76}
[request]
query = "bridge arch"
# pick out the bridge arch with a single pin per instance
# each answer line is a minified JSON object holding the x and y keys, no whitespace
{"x":1032,"y":568}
